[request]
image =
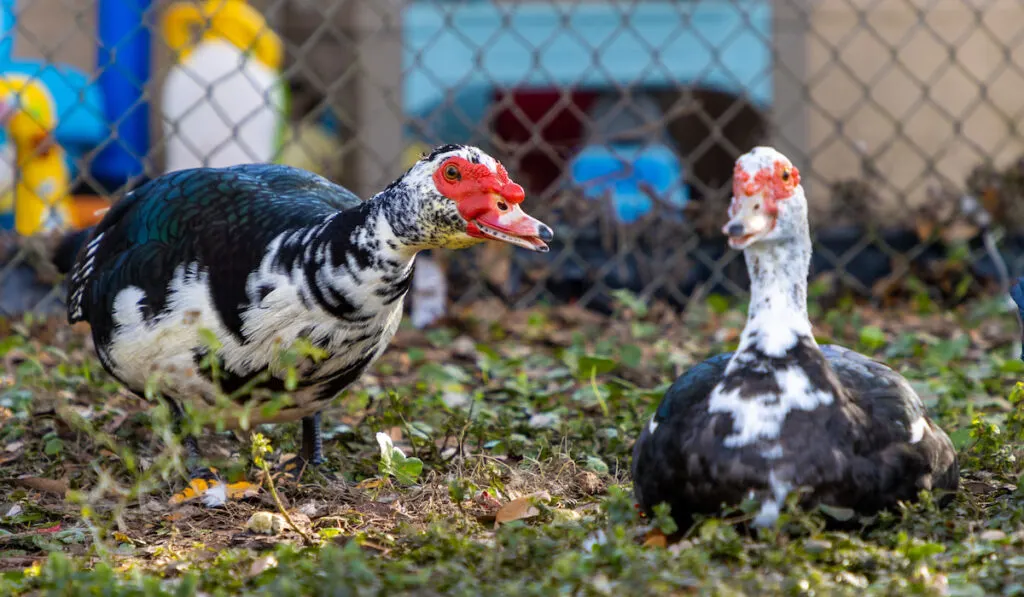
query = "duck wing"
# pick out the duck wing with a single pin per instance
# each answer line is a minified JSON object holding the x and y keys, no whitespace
{"x":904,"y":450}
{"x":220,"y":219}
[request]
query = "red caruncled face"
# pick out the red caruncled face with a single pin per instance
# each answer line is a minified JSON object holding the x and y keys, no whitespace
{"x":759,"y":187}
{"x":777,"y":184}
{"x":489,"y":202}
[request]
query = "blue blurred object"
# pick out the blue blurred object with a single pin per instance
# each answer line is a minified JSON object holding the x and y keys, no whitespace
{"x":123,"y":61}
{"x":7,"y":20}
{"x":619,"y":169}
{"x":627,"y":147}
{"x":457,"y":53}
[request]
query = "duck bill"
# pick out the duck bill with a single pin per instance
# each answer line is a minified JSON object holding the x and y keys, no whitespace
{"x":748,"y":222}
{"x":513,"y":226}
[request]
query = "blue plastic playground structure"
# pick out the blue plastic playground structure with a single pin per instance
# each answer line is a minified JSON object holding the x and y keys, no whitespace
{"x":86,"y":105}
{"x":463,"y":50}
{"x":79,"y":102}
{"x":123,"y":59}
{"x":457,"y":53}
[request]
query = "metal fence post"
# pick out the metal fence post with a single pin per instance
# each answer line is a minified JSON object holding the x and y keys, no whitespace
{"x":376,"y":27}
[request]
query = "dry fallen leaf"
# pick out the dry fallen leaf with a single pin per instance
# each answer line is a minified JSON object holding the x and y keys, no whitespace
{"x":655,"y":538}
{"x":54,"y":486}
{"x":371,"y":483}
{"x":309,"y":509}
{"x":242,"y":490}
{"x":184,"y":513}
{"x":588,"y":483}
{"x":520,"y":508}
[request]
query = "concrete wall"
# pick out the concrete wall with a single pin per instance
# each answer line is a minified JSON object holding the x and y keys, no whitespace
{"x":948,"y":97}
{"x":60,"y":30}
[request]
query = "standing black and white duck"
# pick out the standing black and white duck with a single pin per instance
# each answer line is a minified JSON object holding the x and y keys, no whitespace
{"x":262,"y":255}
{"x":782,"y":413}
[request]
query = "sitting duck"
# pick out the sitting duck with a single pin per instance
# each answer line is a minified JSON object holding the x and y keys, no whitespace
{"x":781,"y":413}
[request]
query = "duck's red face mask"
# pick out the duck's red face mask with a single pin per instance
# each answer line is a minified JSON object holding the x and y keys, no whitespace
{"x":756,"y":199}
{"x":489,"y":202}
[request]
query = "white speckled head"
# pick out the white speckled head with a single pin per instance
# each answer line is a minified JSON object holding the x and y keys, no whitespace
{"x":768,"y":203}
{"x":422,"y":171}
{"x":466,"y":196}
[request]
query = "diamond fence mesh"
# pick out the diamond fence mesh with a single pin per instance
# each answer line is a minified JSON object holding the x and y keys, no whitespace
{"x":620,"y":118}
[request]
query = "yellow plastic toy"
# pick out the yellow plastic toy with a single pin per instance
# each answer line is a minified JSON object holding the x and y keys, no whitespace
{"x":224,"y":101}
{"x":41,"y":194}
{"x":231,"y":20}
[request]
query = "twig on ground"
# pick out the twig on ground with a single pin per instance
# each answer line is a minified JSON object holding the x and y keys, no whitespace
{"x":277,"y":500}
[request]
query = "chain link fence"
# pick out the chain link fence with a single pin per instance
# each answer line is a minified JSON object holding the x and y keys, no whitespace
{"x":620,"y":118}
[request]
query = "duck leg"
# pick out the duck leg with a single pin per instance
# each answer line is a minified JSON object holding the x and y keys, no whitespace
{"x":312,"y":440}
{"x":204,"y":482}
{"x":312,"y":453}
{"x":193,"y":458}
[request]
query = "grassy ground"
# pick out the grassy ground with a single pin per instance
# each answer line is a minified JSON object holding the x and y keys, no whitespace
{"x":523,"y":423}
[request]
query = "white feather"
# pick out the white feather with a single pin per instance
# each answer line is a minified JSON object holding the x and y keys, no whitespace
{"x":917,"y":429}
{"x":80,"y":273}
{"x":759,"y":418}
{"x":215,"y":496}
{"x":165,"y":344}
{"x":778,"y":332}
{"x":771,"y":506}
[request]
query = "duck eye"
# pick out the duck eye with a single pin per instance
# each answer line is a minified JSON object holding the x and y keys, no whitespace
{"x":502,"y":206}
{"x":785,"y":175}
{"x":451,"y":173}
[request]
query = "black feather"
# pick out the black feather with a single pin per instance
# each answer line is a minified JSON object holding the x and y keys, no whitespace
{"x":221,"y":220}
{"x":853,"y":454}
